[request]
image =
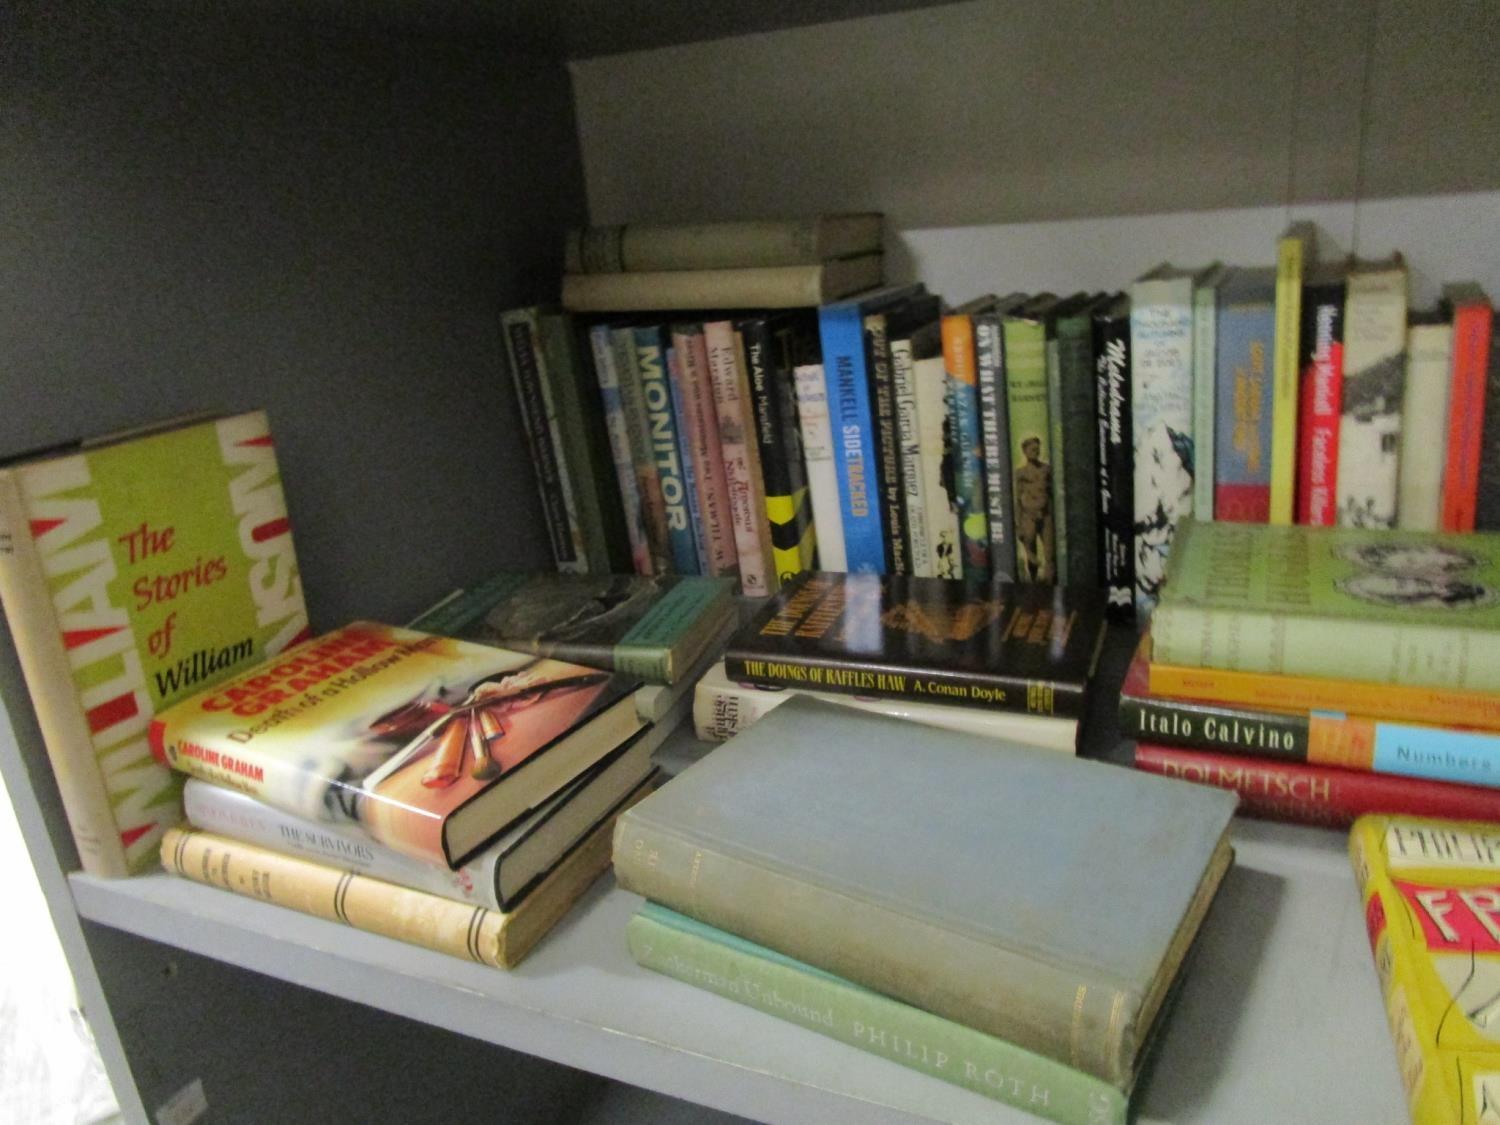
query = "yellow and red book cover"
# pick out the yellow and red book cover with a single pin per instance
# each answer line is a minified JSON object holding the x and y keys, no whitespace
{"x":398,"y":731}
{"x":1431,"y":892}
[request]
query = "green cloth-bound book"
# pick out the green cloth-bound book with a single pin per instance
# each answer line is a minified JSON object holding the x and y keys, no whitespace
{"x":712,"y":959}
{"x":1406,"y":607}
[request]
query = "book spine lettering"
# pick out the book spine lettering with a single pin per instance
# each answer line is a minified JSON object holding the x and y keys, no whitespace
{"x":908,"y":438}
{"x":619,"y":443}
{"x":1290,"y":253}
{"x":822,"y":471}
{"x":1242,"y":488}
{"x":842,"y":331}
{"x":937,"y":451}
{"x":860,"y":1018}
{"x":666,"y":449}
{"x":1030,"y":453}
{"x":708,"y":457}
{"x":1180,"y":722}
{"x":689,"y":463}
{"x":994,"y":433}
{"x":963,"y":392}
{"x":1322,"y":350}
{"x":773,"y":407}
{"x":887,"y":456}
{"x":1034,"y":1004}
{"x":1472,"y":329}
{"x":746,"y":511}
{"x":1112,"y":413}
{"x":642,"y":449}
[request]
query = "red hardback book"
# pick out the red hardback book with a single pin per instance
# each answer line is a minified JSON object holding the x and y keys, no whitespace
{"x":1472,"y":322}
{"x":1322,"y":795}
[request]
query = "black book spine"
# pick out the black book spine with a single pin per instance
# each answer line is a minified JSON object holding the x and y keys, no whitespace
{"x":994,"y":432}
{"x":1320,"y":342}
{"x":887,"y":452}
{"x":1180,"y":722}
{"x":1116,"y":473}
{"x":520,"y":349}
{"x":1487,"y":513}
{"x":1080,"y":468}
{"x":788,"y":510}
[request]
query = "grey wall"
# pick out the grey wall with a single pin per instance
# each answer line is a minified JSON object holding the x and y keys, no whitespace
{"x":1003,"y":112}
{"x":205,"y":209}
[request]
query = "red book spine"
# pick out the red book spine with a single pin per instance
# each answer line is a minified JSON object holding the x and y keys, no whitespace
{"x":1318,"y":432}
{"x":1303,"y":794}
{"x":1471,"y":353}
{"x":702,"y":422}
{"x":1242,"y":503}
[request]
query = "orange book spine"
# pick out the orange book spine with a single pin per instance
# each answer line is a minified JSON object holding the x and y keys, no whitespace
{"x":1471,"y":352}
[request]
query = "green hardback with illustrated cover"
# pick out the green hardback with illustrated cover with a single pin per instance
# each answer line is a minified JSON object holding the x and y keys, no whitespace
{"x":650,"y":628}
{"x":135,"y":571}
{"x":1374,"y":604}
{"x":1000,"y":646}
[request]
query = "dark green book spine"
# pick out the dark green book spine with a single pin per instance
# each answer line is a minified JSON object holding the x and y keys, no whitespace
{"x":1075,"y":353}
{"x":521,"y":353}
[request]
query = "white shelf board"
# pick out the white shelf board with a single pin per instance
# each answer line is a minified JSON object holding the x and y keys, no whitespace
{"x":1279,"y":1020}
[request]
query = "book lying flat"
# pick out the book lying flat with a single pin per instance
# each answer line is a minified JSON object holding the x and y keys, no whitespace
{"x":759,"y":287}
{"x":1040,"y":898}
{"x":433,"y":745}
{"x":637,"y":247}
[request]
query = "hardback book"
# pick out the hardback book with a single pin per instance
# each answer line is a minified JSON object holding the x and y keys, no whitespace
{"x":662,"y":704}
{"x":882,"y":330}
{"x":651,"y":628}
{"x":135,"y":570}
{"x":643,"y":440}
{"x":1322,"y":362}
{"x":740,"y":970}
{"x":1031,"y":440}
{"x":1393,"y":607}
{"x":756,"y":287}
{"x":1116,"y":492}
{"x":895,"y":885}
{"x":937,"y":440}
{"x":700,"y":420}
{"x":1430,"y":890}
{"x":741,"y":459}
{"x":637,"y":247}
{"x":1295,"y":252}
{"x":1313,"y":737}
{"x":665,"y":445}
{"x":772,"y":350}
{"x":1075,"y":425}
{"x":1402,"y":702}
{"x":1245,"y":338}
{"x":722,"y":708}
{"x":1374,"y":388}
{"x":909,"y":450}
{"x":841,"y":330}
{"x":1057,"y":444}
{"x":1323,"y":796}
{"x":520,"y":330}
{"x":432,"y":745}
{"x":821,"y":462}
{"x":1205,"y":387}
{"x":963,"y":395}
{"x":619,"y":428}
{"x":1487,"y":501}
{"x":1473,"y":318}
{"x":1003,"y":647}
{"x":1424,"y":425}
{"x":497,"y":878}
{"x":1161,"y":402}
{"x":337,"y":894}
{"x":688,"y":459}
{"x":994,"y":432}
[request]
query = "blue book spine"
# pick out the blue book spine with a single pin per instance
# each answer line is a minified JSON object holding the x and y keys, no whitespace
{"x":667,"y":450}
{"x":1245,"y":342}
{"x":699,"y":562}
{"x":841,"y":329}
{"x":1470,"y":757}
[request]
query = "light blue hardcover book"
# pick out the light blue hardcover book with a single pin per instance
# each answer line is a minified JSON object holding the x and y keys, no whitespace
{"x":1246,"y":336}
{"x":619,"y":444}
{"x":841,"y":328}
{"x":667,"y":449}
{"x":1043,"y":899}
{"x":689,"y":475}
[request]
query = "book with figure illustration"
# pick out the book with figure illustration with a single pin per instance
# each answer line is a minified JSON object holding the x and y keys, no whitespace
{"x":1008,"y":647}
{"x":433,"y":745}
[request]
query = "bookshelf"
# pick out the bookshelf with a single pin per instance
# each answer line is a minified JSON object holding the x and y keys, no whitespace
{"x":319,"y":209}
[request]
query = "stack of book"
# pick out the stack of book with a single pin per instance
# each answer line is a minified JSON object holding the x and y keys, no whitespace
{"x":449,"y":794}
{"x":1006,"y":919}
{"x":1325,"y":673}
{"x":1008,"y":662}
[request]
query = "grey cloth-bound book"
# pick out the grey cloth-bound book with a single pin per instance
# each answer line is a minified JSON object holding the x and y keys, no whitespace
{"x":1045,"y":900}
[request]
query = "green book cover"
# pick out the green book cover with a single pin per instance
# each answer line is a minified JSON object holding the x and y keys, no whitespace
{"x":720,"y":962}
{"x":651,"y":628}
{"x":1374,"y":604}
{"x":136,"y":572}
{"x":1030,"y":443}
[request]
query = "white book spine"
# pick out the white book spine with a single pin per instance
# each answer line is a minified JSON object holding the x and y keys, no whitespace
{"x":735,"y":438}
{"x":214,"y":808}
{"x":1424,"y":427}
{"x":1205,"y":343}
{"x":723,"y":708}
{"x":619,"y":445}
{"x":1374,"y":371}
{"x":942,"y":514}
{"x":908,"y":429}
{"x":822,"y":473}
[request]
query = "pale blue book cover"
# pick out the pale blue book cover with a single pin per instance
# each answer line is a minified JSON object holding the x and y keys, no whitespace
{"x":1242,"y":441}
